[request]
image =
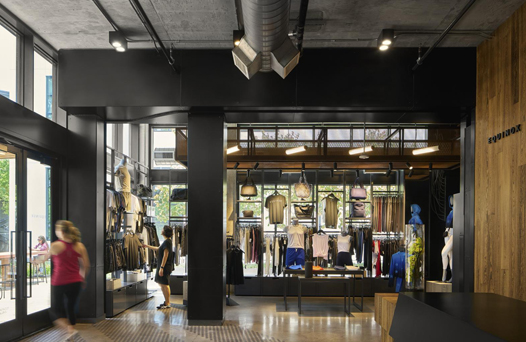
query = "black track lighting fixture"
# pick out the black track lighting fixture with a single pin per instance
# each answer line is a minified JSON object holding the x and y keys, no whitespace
{"x":430,"y":167}
{"x":390,"y":166}
{"x":280,"y":173}
{"x":302,"y":166}
{"x":256,"y":166}
{"x":389,"y":170}
{"x":236,"y":36}
{"x":332,"y":173}
{"x":335,"y":166}
{"x":236,"y":166}
{"x":409,"y":166}
{"x":357,"y":173}
{"x":388,"y":173}
{"x":385,"y":40}
{"x":118,"y":41}
{"x":411,"y":173}
{"x":248,"y":173}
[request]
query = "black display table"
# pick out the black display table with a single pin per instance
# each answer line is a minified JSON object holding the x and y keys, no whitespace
{"x":347,"y":289}
{"x":439,"y":317}
{"x":326,"y":272}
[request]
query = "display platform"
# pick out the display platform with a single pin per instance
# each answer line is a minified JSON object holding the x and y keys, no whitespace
{"x":434,"y":286}
{"x":438,"y":317}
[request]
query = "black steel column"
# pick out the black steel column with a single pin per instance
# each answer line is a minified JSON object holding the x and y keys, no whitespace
{"x":86,"y":196}
{"x":206,"y":217}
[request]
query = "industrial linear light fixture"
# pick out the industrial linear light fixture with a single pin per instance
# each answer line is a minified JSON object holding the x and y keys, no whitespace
{"x":361,"y":150}
{"x":426,"y":150}
{"x":232,"y":149}
{"x":296,"y":150}
{"x":385,"y":39}
{"x":118,"y":41}
{"x":409,"y":166}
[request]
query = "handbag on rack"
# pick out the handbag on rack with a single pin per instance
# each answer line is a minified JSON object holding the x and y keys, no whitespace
{"x":179,"y":195}
{"x":248,"y":213}
{"x":144,"y":191}
{"x":358,"y":209}
{"x":249,"y":190}
{"x":358,"y":193}
{"x":302,"y":189}
{"x":303,"y":211}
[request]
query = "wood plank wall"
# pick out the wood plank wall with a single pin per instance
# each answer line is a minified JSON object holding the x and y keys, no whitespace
{"x":500,"y":171}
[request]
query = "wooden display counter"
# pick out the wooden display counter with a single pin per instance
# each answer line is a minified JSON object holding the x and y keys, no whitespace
{"x":384,"y":308}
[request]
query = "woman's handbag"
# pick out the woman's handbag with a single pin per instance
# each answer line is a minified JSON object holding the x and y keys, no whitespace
{"x":179,"y":194}
{"x":144,"y":191}
{"x":358,"y":193}
{"x":302,"y":189}
{"x":358,"y":209}
{"x":249,"y":190}
{"x":303,"y":211}
{"x":248,"y":213}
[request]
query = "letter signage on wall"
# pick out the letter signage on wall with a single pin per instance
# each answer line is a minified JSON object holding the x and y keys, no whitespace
{"x":504,"y":134}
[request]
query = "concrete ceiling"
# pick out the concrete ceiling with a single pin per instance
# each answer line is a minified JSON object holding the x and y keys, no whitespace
{"x":71,"y":24}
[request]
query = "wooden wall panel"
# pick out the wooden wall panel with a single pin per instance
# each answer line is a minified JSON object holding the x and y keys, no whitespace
{"x":500,"y":173}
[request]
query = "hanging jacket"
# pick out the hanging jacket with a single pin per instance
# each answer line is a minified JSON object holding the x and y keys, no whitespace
{"x":397,"y":270}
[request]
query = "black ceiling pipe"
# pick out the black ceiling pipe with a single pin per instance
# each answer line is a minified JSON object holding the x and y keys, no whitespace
{"x":443,"y":35}
{"x":301,"y":24}
{"x":151,"y":30}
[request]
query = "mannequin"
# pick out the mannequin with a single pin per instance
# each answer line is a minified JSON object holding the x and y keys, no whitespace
{"x":296,"y":244}
{"x":124,"y":182}
{"x":447,"y":251}
{"x":344,"y":248}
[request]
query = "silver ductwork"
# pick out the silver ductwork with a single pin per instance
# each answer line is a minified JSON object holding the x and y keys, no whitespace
{"x":266,"y":45}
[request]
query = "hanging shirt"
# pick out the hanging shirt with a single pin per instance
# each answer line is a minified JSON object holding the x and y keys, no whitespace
{"x":275,"y":205}
{"x":344,"y":243}
{"x":320,"y":246}
{"x":296,"y":235}
{"x":331,"y":211}
{"x":123,"y":179}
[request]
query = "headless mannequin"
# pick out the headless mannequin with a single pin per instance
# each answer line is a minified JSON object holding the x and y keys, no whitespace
{"x":447,"y":251}
{"x":124,"y":182}
{"x":295,"y":221}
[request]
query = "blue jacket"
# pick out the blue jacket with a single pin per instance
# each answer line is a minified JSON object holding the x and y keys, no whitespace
{"x":397,"y":270}
{"x":449,"y":220}
{"x":415,"y":219}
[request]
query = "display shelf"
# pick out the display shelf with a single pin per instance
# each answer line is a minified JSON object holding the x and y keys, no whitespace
{"x":356,"y":201}
{"x":179,"y":201}
{"x":249,"y":218}
{"x":249,"y":201}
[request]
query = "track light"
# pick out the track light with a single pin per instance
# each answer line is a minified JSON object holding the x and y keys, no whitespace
{"x":296,"y":150}
{"x":388,"y":173}
{"x":389,"y":170}
{"x":385,"y":39}
{"x":118,"y":41}
{"x":280,"y":173}
{"x":256,"y":166}
{"x":411,"y":173}
{"x":361,"y":150}
{"x":335,"y":167}
{"x":409,"y":166}
{"x":248,"y":173}
{"x":430,"y":167}
{"x":357,"y":173}
{"x":302,"y":166}
{"x":332,"y":173}
{"x":426,"y":150}
{"x":390,"y":166}
{"x":236,"y":36}
{"x":232,"y":149}
{"x":235,"y":166}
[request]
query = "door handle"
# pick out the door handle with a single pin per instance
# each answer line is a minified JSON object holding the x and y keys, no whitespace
{"x":31,"y":265}
{"x":11,"y":261}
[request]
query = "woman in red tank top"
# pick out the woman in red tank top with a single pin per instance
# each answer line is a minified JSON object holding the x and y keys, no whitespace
{"x":68,"y":276}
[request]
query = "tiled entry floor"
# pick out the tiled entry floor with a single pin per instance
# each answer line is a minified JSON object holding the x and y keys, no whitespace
{"x":255,"y":319}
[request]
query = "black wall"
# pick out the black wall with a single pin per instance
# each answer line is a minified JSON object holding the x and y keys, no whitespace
{"x":358,"y":79}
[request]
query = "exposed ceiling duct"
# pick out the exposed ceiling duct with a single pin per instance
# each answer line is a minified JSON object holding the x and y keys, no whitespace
{"x":266,"y":45}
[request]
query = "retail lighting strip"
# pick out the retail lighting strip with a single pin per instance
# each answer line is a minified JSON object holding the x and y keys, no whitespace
{"x":361,"y":150}
{"x":232,"y":149}
{"x":296,"y":150}
{"x":426,"y":150}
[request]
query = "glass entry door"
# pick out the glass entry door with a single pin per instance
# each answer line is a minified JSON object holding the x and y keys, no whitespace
{"x":26,"y":216}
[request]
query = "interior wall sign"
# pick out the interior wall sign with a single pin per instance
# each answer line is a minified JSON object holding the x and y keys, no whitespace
{"x":504,"y":134}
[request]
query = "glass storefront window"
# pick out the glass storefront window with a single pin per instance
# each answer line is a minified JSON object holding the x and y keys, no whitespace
{"x":43,"y":86}
{"x":8,"y":64}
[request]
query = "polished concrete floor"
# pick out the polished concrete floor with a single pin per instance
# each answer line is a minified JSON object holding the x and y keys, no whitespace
{"x":255,"y":319}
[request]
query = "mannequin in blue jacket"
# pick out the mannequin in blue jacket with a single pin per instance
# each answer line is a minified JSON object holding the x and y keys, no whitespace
{"x":397,"y":270}
{"x":447,"y":251}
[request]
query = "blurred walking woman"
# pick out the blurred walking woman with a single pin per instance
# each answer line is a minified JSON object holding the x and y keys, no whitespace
{"x":67,"y":279}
